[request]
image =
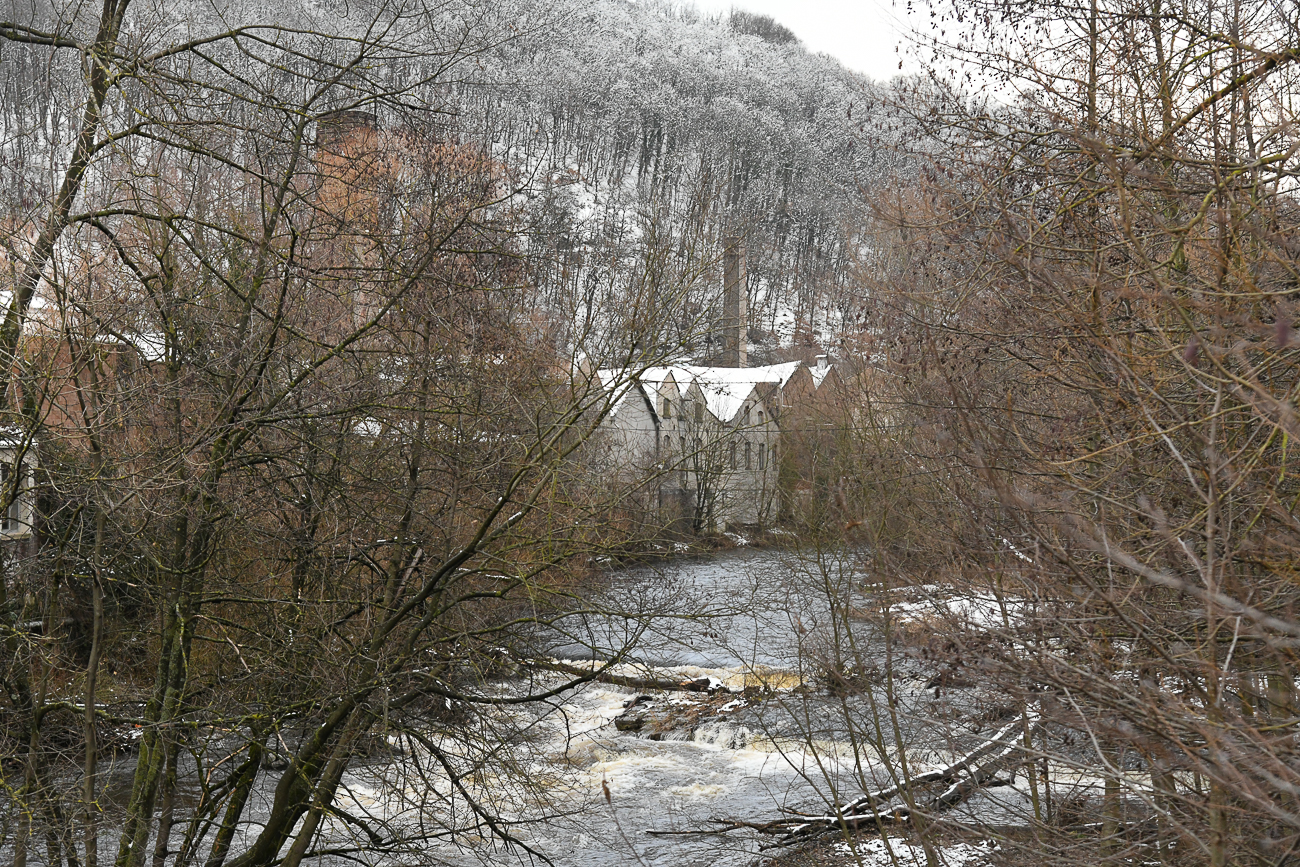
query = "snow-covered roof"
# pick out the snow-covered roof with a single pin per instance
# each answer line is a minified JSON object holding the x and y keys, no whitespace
{"x":775,"y":374}
{"x":657,"y":376}
{"x":728,"y":388}
{"x":819,"y":374}
{"x":655,"y":379}
{"x":725,"y":399}
{"x":14,"y":438}
{"x":151,"y":345}
{"x":725,"y":389}
{"x":620,"y":385}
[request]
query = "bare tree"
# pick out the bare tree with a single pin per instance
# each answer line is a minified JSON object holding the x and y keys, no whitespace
{"x":1087,"y":318}
{"x":1082,"y":534}
{"x":309,"y":450}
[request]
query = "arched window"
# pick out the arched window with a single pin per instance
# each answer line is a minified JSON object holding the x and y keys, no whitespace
{"x":733,"y":455}
{"x":746,"y":455}
{"x":762,"y":457}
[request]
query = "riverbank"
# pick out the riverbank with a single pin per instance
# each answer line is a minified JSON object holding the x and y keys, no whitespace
{"x":755,"y":692}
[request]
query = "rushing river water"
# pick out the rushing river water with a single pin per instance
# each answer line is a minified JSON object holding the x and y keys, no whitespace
{"x":739,"y":609}
{"x":750,"y":613}
{"x":570,"y":784}
{"x":739,"y":618}
{"x":570,"y":780}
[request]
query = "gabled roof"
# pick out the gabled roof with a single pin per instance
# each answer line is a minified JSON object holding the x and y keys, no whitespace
{"x":724,"y":399}
{"x":616,"y":381}
{"x":725,"y":389}
{"x":655,"y":381}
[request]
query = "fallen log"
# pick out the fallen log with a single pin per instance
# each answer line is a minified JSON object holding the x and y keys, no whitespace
{"x":889,"y":806}
{"x":943,"y":775}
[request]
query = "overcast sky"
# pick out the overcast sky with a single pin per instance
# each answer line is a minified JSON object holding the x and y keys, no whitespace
{"x":861,"y":34}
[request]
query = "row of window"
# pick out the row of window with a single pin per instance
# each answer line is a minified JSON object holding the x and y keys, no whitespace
{"x":697,"y":408}
{"x":751,"y":452}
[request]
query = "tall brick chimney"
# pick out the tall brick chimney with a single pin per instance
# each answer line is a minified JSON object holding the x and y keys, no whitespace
{"x":735,"y":321}
{"x":347,"y":164}
{"x":337,"y":129}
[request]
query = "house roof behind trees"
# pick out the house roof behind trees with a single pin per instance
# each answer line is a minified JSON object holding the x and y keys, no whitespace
{"x":622,"y":384}
{"x":725,"y":389}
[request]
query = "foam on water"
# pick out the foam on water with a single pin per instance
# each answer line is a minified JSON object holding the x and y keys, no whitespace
{"x":723,"y":735}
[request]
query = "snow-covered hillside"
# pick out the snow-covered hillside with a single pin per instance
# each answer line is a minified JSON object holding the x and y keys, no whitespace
{"x":650,"y":124}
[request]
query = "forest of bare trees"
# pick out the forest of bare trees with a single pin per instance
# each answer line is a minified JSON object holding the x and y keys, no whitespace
{"x":303,"y":430}
{"x":1081,"y":322}
{"x":297,"y":415}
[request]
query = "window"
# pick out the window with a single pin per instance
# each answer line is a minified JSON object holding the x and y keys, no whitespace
{"x":9,"y":520}
{"x":733,"y":455}
{"x":760,"y":418}
{"x":762,"y":457}
{"x":699,"y":413}
{"x":746,"y":455}
{"x":668,"y":446}
{"x":746,"y":418}
{"x":14,"y":520}
{"x":668,"y":408}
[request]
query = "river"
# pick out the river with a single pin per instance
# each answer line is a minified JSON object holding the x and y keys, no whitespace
{"x":570,"y":783}
{"x":736,"y":617}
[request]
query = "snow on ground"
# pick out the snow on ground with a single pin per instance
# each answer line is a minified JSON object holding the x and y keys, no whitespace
{"x":891,"y":852}
{"x":974,"y":610}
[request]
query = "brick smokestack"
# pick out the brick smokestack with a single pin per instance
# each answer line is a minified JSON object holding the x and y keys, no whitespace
{"x":347,"y":165}
{"x":338,"y":129}
{"x":735,"y":321}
